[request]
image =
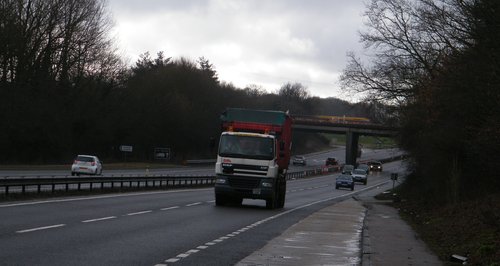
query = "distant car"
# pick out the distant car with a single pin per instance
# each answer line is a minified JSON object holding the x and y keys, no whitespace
{"x":359,"y":175}
{"x":347,"y":169}
{"x":331,"y":161}
{"x":364,"y":167}
{"x":344,"y":181}
{"x":375,"y":166}
{"x":86,"y":164}
{"x":299,"y":160}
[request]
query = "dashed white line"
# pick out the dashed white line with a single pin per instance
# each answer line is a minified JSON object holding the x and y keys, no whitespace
{"x":99,"y":219}
{"x":40,"y":228}
{"x":172,"y":260}
{"x":137,"y":213}
{"x":193,"y":204}
{"x":169,"y":208}
{"x":104,"y":197}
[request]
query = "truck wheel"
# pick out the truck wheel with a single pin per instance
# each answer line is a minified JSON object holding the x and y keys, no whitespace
{"x":282,"y":194}
{"x":273,"y":201}
{"x":220,"y":200}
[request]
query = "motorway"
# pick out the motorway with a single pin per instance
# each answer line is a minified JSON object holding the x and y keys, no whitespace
{"x":175,"y":227}
{"x":313,"y":161}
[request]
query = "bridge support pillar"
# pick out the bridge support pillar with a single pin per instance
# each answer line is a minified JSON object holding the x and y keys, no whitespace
{"x":351,"y":147}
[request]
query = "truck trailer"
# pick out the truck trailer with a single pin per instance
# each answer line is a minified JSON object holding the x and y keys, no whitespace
{"x":253,"y":157}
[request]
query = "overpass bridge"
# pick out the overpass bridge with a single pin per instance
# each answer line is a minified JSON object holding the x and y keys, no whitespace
{"x":352,"y":127}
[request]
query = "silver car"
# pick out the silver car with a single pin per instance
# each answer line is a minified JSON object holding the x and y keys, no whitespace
{"x":86,"y":164}
{"x":299,"y":160}
{"x":359,"y":175}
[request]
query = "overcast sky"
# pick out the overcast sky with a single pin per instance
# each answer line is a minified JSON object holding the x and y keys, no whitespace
{"x":261,"y":42}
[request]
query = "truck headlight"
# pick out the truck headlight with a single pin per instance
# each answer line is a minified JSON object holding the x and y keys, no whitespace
{"x":220,"y":181}
{"x":267,"y":184}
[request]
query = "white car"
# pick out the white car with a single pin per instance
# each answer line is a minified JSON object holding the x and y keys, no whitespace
{"x":359,"y":175}
{"x":299,"y":160}
{"x":86,"y":164}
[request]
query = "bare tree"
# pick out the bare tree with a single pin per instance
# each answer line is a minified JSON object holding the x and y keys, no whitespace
{"x":410,"y":41}
{"x":292,"y":96}
{"x":59,"y":40}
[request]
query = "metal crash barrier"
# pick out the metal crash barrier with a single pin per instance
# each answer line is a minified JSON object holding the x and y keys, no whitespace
{"x":33,"y":184}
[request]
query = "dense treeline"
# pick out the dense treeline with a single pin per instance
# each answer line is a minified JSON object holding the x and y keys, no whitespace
{"x":63,"y":91}
{"x":438,"y":61}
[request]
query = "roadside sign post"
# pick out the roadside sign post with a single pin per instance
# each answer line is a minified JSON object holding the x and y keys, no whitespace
{"x":394,"y":177}
{"x":126,"y":149}
{"x":162,"y":154}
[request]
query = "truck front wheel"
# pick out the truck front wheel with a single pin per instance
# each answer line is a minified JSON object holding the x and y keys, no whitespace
{"x":271,"y":203}
{"x":281,"y":194}
{"x":220,"y":200}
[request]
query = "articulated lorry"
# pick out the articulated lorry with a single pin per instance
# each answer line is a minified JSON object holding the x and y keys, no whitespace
{"x":253,"y":157}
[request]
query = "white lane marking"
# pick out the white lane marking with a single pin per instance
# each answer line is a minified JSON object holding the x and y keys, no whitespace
{"x":137,"y":213}
{"x":161,"y":265}
{"x":40,"y":228}
{"x":103,"y":197}
{"x":172,"y":260}
{"x":191,"y":251}
{"x":248,"y":227}
{"x":169,"y":208}
{"x":210,"y":201}
{"x":99,"y":219}
{"x":193,"y":204}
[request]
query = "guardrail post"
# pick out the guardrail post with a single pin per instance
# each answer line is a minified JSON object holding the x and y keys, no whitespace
{"x":53,"y":187}
{"x":6,"y":190}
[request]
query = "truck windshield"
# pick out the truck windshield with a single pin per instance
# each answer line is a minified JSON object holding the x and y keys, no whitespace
{"x":246,"y":147}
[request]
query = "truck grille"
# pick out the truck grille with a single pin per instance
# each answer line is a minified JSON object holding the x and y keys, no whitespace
{"x":246,"y":170}
{"x":243,"y":182}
